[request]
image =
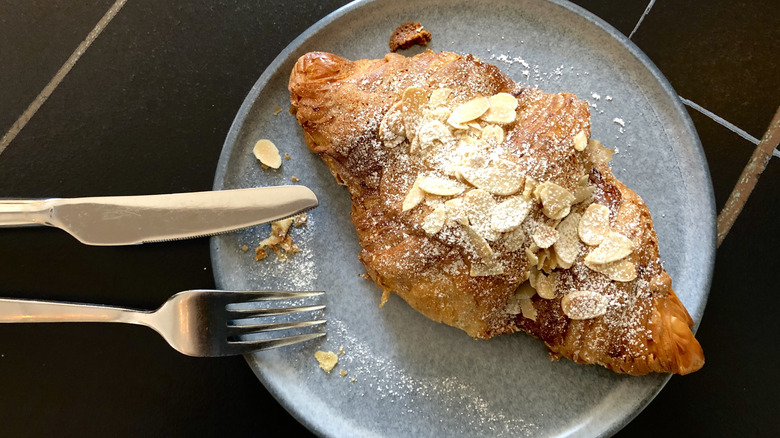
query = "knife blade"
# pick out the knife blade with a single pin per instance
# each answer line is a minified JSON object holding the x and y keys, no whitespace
{"x":130,"y":220}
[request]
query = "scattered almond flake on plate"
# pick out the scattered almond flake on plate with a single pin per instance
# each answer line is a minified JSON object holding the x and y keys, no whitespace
{"x":267,"y":153}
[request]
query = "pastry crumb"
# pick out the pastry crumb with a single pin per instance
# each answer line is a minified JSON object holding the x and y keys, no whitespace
{"x":244,"y":248}
{"x":277,"y":110}
{"x":286,"y":157}
{"x":327,"y":360}
{"x":295,"y":179}
{"x":408,"y":35}
{"x":343,"y":373}
{"x":280,"y":241}
{"x":341,"y":350}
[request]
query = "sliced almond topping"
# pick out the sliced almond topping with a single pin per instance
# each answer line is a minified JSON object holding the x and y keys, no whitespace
{"x":492,"y":134}
{"x":479,"y":205}
{"x":412,"y":102}
{"x":583,"y":193}
{"x":567,"y":247}
{"x":556,"y":201}
{"x":391,"y":128}
{"x":528,"y":186}
{"x":267,"y":153}
{"x":485,"y":269}
{"x":544,"y":236}
{"x":580,"y":141}
{"x":502,"y":109}
{"x":584,"y":304}
{"x":439,"y":97}
{"x":499,"y":177}
{"x":479,"y":243}
{"x":523,"y":292}
{"x":440,"y":186}
{"x":434,"y":222}
{"x":455,"y":211}
{"x":615,"y":246}
{"x":468,"y":111}
{"x":513,"y":240}
{"x":544,"y":285}
{"x":533,"y":260}
{"x":594,"y":224}
{"x":510,"y":213}
{"x":414,"y":197}
{"x":527,"y":307}
{"x":434,"y":133}
{"x":440,"y":113}
{"x":621,"y":270}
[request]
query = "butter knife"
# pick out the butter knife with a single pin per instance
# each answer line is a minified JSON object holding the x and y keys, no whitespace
{"x":129,"y":220}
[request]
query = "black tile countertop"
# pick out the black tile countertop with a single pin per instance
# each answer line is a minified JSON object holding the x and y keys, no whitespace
{"x":145,"y":109}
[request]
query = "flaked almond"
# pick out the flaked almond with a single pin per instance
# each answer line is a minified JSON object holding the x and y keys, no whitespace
{"x":543,"y":284}
{"x":479,"y":205}
{"x":414,"y":197}
{"x":481,"y":269}
{"x":455,"y":211}
{"x":621,"y":270}
{"x":439,"y":97}
{"x":439,"y":113}
{"x":492,"y":134}
{"x":412,"y":102}
{"x":544,"y":236}
{"x":594,"y":224}
{"x":523,"y":292}
{"x":267,"y":153}
{"x":533,"y":260}
{"x":434,"y":222}
{"x":615,"y":246}
{"x":527,"y":308}
{"x":468,"y":111}
{"x":510,"y":213}
{"x":502,"y":109}
{"x":499,"y":177}
{"x":480,"y":245}
{"x":513,"y":240}
{"x":528,"y":186}
{"x":556,"y":201}
{"x":433,"y":134}
{"x":391,"y":128}
{"x":584,"y":304}
{"x":580,"y":141}
{"x":567,"y":247}
{"x":440,"y":186}
{"x":583,"y":194}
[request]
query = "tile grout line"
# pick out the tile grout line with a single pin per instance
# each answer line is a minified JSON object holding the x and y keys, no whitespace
{"x":41,"y":98}
{"x":644,"y":14}
{"x":749,"y":177}
{"x":725,"y":123}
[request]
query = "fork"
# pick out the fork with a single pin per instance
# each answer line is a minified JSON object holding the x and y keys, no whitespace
{"x":205,"y":323}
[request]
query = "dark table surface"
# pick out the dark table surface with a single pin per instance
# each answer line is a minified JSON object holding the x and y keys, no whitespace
{"x":145,"y":109}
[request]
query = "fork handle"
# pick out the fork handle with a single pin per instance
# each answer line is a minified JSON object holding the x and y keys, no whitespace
{"x":14,"y":310}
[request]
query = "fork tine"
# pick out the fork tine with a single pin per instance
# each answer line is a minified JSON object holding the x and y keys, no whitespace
{"x":249,"y":313}
{"x":255,"y":295}
{"x":266,"y":344}
{"x":236,"y":330}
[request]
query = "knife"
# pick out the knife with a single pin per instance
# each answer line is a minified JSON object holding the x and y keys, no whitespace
{"x":129,"y":220}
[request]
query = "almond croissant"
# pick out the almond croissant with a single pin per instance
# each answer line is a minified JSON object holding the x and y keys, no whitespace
{"x":486,"y":206}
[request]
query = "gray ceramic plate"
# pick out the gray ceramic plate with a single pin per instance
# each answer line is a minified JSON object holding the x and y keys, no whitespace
{"x":406,"y":375}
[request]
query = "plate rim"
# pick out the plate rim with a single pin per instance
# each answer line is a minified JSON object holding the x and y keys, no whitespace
{"x":687,"y":123}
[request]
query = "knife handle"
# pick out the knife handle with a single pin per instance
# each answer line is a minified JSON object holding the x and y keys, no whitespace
{"x":22,"y":212}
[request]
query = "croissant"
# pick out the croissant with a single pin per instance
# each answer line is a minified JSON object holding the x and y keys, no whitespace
{"x":485,"y":205}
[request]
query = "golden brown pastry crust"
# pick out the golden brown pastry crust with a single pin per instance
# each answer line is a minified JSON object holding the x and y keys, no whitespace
{"x":340,"y":105}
